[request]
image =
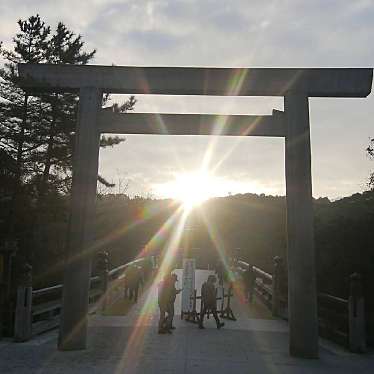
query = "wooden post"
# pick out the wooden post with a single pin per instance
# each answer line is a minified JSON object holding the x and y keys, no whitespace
{"x":73,"y":326}
{"x":302,"y":297}
{"x":356,"y":310}
{"x":276,"y":297}
{"x":252,"y":283}
{"x":23,"y":313}
{"x":222,"y":301}
{"x":227,"y":312}
{"x":104,"y":278}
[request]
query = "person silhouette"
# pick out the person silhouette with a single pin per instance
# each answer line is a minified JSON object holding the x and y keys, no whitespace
{"x":209,"y":301}
{"x":166,"y":298}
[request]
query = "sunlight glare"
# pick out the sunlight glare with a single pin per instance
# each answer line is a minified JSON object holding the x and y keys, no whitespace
{"x":191,"y":189}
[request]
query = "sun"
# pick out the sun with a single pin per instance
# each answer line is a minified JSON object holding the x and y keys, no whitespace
{"x":191,"y":189}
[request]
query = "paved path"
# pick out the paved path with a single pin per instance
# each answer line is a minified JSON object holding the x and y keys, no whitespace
{"x":131,"y":344}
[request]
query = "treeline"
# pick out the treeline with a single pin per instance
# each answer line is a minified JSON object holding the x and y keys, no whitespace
{"x":250,"y":226}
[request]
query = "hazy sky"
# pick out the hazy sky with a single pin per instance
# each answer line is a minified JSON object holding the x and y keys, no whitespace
{"x":235,"y":33}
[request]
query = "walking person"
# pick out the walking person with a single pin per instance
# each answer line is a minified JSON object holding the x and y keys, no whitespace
{"x":166,"y":298}
{"x":209,"y":301}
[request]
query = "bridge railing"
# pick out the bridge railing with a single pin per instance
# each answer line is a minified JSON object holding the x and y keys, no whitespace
{"x":340,"y":320}
{"x":39,"y":310}
{"x":271,"y":289}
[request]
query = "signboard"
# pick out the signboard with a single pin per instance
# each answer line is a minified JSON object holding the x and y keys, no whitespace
{"x":188,"y":284}
{"x":220,"y":291}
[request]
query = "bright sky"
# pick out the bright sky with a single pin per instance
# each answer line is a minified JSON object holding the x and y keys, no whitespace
{"x":236,"y":33}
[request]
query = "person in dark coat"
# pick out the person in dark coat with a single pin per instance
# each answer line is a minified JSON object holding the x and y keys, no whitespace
{"x":172,"y":296}
{"x":166,"y":299}
{"x":209,"y":301}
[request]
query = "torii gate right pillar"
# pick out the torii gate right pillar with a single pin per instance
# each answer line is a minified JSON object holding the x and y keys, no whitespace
{"x":302,"y":294}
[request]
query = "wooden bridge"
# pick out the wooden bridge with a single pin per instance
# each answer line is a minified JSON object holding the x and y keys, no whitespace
{"x":127,"y":342}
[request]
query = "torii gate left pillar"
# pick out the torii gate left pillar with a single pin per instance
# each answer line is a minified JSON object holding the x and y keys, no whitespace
{"x":73,"y":324}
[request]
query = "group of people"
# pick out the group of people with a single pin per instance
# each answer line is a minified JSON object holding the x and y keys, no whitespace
{"x":167,"y":293}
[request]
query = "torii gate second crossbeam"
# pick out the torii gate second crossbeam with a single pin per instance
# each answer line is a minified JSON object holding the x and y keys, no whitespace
{"x":296,"y":85}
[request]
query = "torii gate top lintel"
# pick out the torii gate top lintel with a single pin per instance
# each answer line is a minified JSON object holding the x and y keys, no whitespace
{"x":313,"y":82}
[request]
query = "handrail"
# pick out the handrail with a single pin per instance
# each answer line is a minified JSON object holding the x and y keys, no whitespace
{"x":333,"y":299}
{"x":58,"y":287}
{"x":44,"y":304}
{"x":119,"y":269}
{"x":39,"y":310}
{"x":262,"y":274}
{"x":259,"y":272}
{"x":341,"y":320}
{"x":94,"y":279}
{"x":47,"y":290}
{"x":244,"y":264}
{"x":112,"y":273}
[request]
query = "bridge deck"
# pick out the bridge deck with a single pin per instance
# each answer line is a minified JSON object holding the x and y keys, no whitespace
{"x":130,"y":344}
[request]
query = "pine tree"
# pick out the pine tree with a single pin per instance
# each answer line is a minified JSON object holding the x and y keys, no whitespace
{"x":64,"y":47}
{"x":21,"y":123}
{"x":67,"y":48}
{"x":37,"y":132}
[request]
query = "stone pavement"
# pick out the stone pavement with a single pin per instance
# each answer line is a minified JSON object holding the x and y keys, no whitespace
{"x":130,"y":344}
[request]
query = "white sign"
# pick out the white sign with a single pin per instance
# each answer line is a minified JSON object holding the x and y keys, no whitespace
{"x":188,"y":284}
{"x":220,"y":291}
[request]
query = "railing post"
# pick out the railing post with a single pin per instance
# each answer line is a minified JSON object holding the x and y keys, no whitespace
{"x":8,"y":250}
{"x":275,"y":298}
{"x":252,"y":282}
{"x":103,"y":267}
{"x":222,"y":300}
{"x":356,"y":312}
{"x":23,"y":313}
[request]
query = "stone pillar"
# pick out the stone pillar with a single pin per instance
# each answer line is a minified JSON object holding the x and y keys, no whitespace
{"x":73,"y":326}
{"x":302,"y":296}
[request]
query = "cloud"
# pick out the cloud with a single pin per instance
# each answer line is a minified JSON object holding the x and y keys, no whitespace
{"x":274,"y":33}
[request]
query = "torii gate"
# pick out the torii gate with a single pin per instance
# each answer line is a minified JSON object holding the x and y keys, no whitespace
{"x":296,"y":85}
